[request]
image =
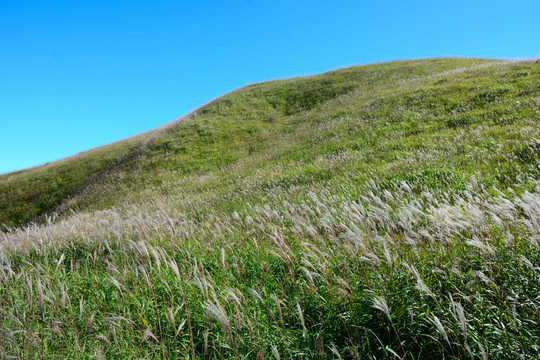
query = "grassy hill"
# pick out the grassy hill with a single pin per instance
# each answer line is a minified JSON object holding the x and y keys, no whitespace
{"x":380,"y":211}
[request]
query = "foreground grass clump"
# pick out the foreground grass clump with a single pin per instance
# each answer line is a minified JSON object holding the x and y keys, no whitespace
{"x":390,"y":274}
{"x":382,"y":211}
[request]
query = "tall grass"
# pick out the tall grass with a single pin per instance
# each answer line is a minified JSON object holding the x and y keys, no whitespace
{"x":390,"y":274}
{"x":419,"y":240}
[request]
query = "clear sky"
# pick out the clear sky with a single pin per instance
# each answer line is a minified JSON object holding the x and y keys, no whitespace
{"x":79,"y":74}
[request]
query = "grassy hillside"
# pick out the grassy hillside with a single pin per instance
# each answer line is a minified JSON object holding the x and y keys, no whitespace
{"x":380,"y":211}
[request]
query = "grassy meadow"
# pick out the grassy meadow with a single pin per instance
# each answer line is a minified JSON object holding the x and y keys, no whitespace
{"x":386,"y":211}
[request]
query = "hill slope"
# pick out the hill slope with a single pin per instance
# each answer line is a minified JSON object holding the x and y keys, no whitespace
{"x":402,"y":99}
{"x":376,"y":210}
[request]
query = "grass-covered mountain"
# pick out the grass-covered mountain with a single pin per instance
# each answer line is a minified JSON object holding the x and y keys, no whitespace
{"x":379,"y":211}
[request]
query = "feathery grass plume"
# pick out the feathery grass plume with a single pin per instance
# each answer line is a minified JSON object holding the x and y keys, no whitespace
{"x":29,"y":292}
{"x":277,"y":302}
{"x":205,"y":338}
{"x":148,"y":334}
{"x":379,"y":303}
{"x":309,"y":277}
{"x":64,"y":296}
{"x":483,"y":352}
{"x":256,"y":295}
{"x":156,"y":256}
{"x":180,"y":327}
{"x":387,"y":348}
{"x":223,"y":260}
{"x":420,"y":285}
{"x":174,"y":267}
{"x":81,"y":307}
{"x":232,"y":295}
{"x":475,"y":242}
{"x":301,"y":317}
{"x":217,"y":312}
{"x":370,"y":258}
{"x":405,"y":187}
{"x":105,"y":339}
{"x":60,"y":260}
{"x":90,"y":322}
{"x":346,"y":289}
{"x":461,"y":317}
{"x":335,"y":351}
{"x":435,"y":321}
{"x":117,"y":285}
{"x":524,"y":260}
{"x":99,"y":354}
{"x":275,"y":352}
{"x":39,"y":290}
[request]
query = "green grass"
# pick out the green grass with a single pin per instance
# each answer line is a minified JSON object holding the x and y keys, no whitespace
{"x":380,"y":211}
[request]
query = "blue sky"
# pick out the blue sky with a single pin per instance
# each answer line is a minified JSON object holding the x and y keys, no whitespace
{"x":80,"y":74}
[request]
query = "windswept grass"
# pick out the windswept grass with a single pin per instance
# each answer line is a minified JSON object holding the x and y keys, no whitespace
{"x":385,"y":211}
